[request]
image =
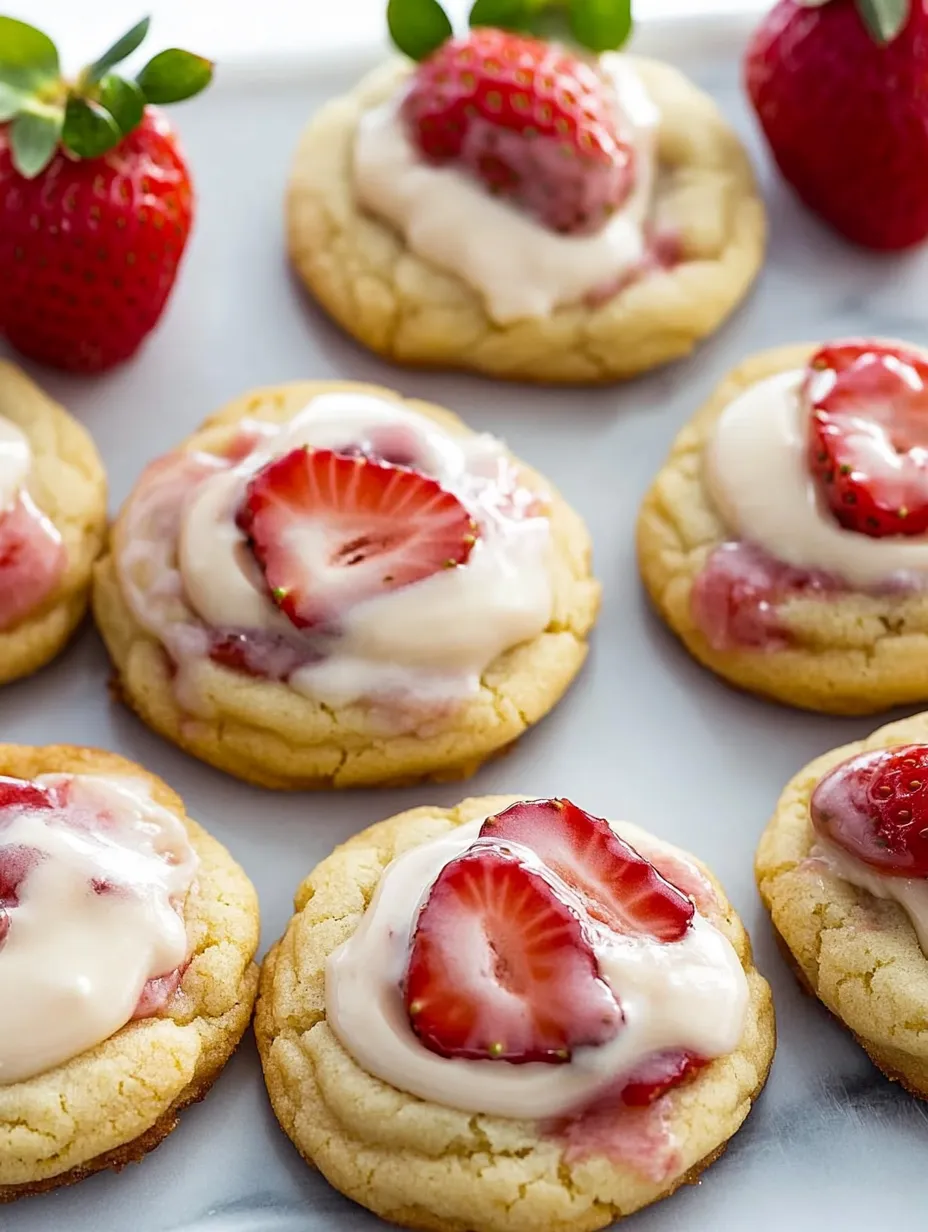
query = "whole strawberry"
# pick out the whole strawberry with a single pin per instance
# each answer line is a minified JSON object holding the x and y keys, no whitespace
{"x":536,"y":123}
{"x":96,"y":204}
{"x":838,"y":86}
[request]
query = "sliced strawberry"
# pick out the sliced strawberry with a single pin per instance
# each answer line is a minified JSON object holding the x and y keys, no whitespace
{"x":259,"y":654}
{"x":330,"y":531}
{"x":32,"y":560}
{"x":659,"y":1074}
{"x":868,"y":436}
{"x":17,"y":795}
{"x":501,"y":967}
{"x":875,"y":806}
{"x":618,"y":886}
{"x":16,"y":863}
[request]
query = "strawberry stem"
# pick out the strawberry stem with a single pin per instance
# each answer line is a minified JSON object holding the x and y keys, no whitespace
{"x":885,"y":19}
{"x":91,"y":115}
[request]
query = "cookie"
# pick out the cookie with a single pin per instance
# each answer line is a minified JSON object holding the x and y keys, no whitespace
{"x":425,"y":681}
{"x":746,"y":561}
{"x":847,"y":892}
{"x":65,"y":1115}
{"x":363,"y":982}
{"x":391,"y":289}
{"x":52,"y":524}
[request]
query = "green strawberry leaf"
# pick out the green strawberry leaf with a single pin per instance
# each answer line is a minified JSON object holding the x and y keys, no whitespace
{"x":89,"y":129}
{"x":885,"y":19}
{"x":27,"y":56}
{"x":118,"y":52}
{"x":418,"y":27}
{"x":600,"y":25}
{"x":12,"y":101}
{"x":503,"y":14}
{"x":33,"y":140}
{"x":174,"y":75}
{"x":124,"y":101}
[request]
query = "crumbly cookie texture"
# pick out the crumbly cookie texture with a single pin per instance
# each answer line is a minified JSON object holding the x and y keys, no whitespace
{"x":410,"y":311}
{"x":266,"y":733}
{"x":114,"y":1103}
{"x":68,"y":484}
{"x":425,"y":1166}
{"x":858,"y":954}
{"x":851,"y":653}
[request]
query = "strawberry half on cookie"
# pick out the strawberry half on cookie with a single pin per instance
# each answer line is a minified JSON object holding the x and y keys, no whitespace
{"x":868,"y":436}
{"x":330,"y":530}
{"x":838,"y":87}
{"x":502,"y":968}
{"x":534,"y":122}
{"x":875,"y":807}
{"x":617,"y":886}
{"x":96,"y":203}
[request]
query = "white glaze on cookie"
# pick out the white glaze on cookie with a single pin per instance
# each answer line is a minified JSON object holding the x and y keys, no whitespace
{"x":759,"y":480}
{"x":910,"y":893}
{"x":519,"y":267}
{"x":15,"y":461}
{"x":429,"y":641}
{"x":98,"y":917}
{"x":689,"y":995}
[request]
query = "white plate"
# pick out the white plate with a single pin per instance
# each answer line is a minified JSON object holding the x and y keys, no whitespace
{"x":645,"y":734}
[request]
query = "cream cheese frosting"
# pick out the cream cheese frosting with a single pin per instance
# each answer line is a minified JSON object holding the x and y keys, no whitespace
{"x":519,"y":267}
{"x":98,"y":916}
{"x":15,"y":462}
{"x":909,"y":893}
{"x":758,"y":477}
{"x":689,"y":995}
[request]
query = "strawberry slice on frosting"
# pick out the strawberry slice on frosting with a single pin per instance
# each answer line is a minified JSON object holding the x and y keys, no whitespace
{"x":331,"y":530}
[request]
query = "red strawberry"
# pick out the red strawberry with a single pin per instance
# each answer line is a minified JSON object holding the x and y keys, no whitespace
{"x":617,"y":885}
{"x":500,"y":967}
{"x":839,"y":91}
{"x":95,"y":199}
{"x":19,"y":795}
{"x":330,"y":531}
{"x":659,"y":1074}
{"x":158,"y":993}
{"x":16,"y":863}
{"x":535,"y":123}
{"x":258,"y":654}
{"x":32,"y":560}
{"x":875,"y":806}
{"x":868,"y":436}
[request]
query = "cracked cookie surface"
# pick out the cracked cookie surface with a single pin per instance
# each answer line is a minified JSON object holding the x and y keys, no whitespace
{"x":422,"y":1165}
{"x":68,"y":484}
{"x":849,"y":652}
{"x":117,"y":1101}
{"x":265,"y":732}
{"x":858,"y":954}
{"x":410,"y":311}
